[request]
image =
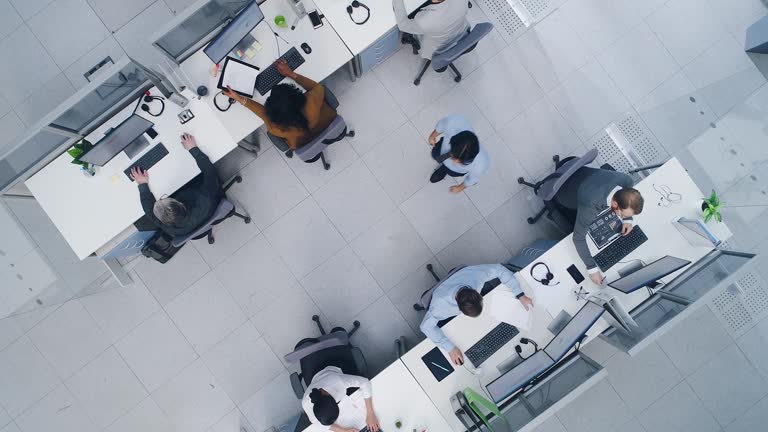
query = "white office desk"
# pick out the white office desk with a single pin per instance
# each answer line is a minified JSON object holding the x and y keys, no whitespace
{"x":359,"y":37}
{"x":663,"y":239}
{"x":90,"y":211}
{"x":328,"y":54}
{"x":396,"y":397}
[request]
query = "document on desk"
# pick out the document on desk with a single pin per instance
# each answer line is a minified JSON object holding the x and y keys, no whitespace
{"x":238,"y":75}
{"x":507,"y":308}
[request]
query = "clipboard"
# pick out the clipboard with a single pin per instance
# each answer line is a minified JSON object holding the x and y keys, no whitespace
{"x":240,"y":66}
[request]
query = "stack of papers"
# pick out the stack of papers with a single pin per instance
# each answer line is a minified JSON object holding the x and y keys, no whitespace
{"x":507,"y":308}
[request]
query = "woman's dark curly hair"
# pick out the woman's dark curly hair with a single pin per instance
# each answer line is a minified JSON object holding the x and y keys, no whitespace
{"x":284,"y":107}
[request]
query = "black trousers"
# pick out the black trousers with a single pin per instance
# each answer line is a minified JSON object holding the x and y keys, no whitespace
{"x":439,"y":174}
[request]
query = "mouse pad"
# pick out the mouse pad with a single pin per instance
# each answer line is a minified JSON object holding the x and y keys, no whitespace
{"x":437,"y":363}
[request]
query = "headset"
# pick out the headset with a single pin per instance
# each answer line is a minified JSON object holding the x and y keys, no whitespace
{"x":230,"y":102}
{"x":148,"y":99}
{"x":548,"y":277}
{"x":356,"y":4}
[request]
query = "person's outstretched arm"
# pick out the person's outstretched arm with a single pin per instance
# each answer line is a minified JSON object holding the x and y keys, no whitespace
{"x":210,"y":185}
{"x":404,"y":23}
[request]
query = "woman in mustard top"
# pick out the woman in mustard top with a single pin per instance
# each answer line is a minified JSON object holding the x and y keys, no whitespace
{"x":296,"y":116}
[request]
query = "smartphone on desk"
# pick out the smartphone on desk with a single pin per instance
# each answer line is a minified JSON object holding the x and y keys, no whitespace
{"x":314,"y":17}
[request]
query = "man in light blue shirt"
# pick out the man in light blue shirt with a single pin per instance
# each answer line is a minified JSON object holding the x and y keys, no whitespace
{"x":460,"y":293}
{"x":459,"y":152}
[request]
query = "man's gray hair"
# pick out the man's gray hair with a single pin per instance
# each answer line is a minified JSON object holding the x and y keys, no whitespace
{"x":169,"y":210}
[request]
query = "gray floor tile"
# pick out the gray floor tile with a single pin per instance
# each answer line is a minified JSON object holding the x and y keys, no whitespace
{"x":342,"y":286}
{"x":229,"y":236}
{"x":372,"y":122}
{"x":509,"y":223}
{"x":234,"y":420}
{"x":146,"y":416}
{"x":439,"y":215}
{"x":205,"y":313}
{"x":58,"y":410}
{"x":116,"y":13}
{"x":255,"y":275}
{"x":380,"y":325}
{"x":11,"y":124}
{"x":28,"y":8}
{"x":401,"y":163}
{"x":409,"y":291}
{"x":32,"y":378}
{"x":479,"y":245}
{"x":133,"y":36}
{"x":304,"y":237}
{"x":166,"y":281}
{"x":354,"y":200}
{"x":107,"y":388}
{"x":178,"y":5}
{"x":273,"y":405}
{"x":753,"y":420}
{"x":454,"y":101}
{"x":33,"y":65}
{"x":754,"y":344}
{"x":243,"y":363}
{"x":678,"y":411}
{"x":391,"y":249}
{"x":68,"y":29}
{"x":601,"y":409}
{"x":552,"y":424}
{"x":728,"y":385}
{"x":9,"y":18}
{"x":599,"y":350}
{"x":45,"y":100}
{"x":643,"y":378}
{"x":107,"y":48}
{"x":260,"y":179}
{"x":694,"y":341}
{"x":313,"y":176}
{"x":9,"y":332}
{"x":156,"y":351}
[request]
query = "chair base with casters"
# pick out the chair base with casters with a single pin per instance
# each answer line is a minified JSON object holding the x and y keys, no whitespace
{"x":224,"y":210}
{"x":443,"y":60}
{"x":330,"y":349}
{"x":548,"y":187}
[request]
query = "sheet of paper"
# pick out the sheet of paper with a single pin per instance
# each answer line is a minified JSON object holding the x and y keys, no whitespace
{"x":507,"y":308}
{"x":240,"y":77}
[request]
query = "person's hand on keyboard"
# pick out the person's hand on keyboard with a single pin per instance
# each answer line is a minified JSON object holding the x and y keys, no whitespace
{"x":188,"y":141}
{"x":284,"y":69}
{"x":139,"y":176}
{"x":457,"y":357}
{"x":626,"y":228}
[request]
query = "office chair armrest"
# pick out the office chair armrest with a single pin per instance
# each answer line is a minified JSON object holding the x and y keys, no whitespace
{"x":360,"y":363}
{"x":297,"y":386}
{"x":330,"y":98}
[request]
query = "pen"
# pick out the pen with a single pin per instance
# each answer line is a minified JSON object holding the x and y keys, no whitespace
{"x":440,"y":366}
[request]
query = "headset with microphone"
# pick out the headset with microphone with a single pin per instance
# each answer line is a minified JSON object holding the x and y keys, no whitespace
{"x":548,"y":277}
{"x":148,"y":99}
{"x":230,"y":102}
{"x":351,"y":9}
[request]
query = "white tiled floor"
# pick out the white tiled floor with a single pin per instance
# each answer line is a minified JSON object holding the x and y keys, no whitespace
{"x":198,"y":344}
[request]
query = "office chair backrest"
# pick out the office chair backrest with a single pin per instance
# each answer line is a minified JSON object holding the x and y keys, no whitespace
{"x":441,"y":59}
{"x":550,"y":185}
{"x":223,"y":211}
{"x":333,"y":133}
{"x":426,"y":297}
{"x":330,"y":340}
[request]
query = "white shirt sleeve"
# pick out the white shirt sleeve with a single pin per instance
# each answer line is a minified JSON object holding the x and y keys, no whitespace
{"x":594,"y":270}
{"x":357,"y":381}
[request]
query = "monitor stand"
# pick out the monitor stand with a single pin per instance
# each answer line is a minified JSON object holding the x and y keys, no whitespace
{"x":242,"y":47}
{"x":136,"y":146}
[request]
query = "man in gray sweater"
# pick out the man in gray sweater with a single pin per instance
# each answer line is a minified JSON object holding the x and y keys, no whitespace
{"x":590,"y":191}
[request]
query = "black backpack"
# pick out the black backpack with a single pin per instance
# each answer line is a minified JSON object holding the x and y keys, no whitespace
{"x":160,"y":248}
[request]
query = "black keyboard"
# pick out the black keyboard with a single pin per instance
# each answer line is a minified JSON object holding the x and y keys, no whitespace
{"x":270,"y":77}
{"x":149,"y":159}
{"x":620,"y":248}
{"x":490,"y":343}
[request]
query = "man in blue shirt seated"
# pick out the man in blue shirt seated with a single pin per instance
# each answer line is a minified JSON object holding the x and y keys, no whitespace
{"x":458,"y":151}
{"x":460,"y":293}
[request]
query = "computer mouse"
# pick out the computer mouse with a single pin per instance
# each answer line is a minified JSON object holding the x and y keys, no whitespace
{"x":306,"y":48}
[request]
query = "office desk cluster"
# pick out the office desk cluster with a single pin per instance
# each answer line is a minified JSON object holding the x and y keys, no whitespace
{"x":406,"y":391}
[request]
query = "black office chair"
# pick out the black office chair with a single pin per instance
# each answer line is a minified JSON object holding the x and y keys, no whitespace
{"x":330,"y":349}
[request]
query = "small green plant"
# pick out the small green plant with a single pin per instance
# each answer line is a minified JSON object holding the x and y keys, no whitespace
{"x":78,"y":150}
{"x":711,"y":207}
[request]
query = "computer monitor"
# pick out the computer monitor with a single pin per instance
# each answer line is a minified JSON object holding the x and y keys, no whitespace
{"x":648,"y":274}
{"x":514,"y":379}
{"x":234,"y":32}
{"x":576,"y":328}
{"x":117,"y":140}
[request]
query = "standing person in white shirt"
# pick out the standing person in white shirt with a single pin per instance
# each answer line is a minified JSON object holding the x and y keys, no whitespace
{"x":438,"y":24}
{"x":323,"y":395}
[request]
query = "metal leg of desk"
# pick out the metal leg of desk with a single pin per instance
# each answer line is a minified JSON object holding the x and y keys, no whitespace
{"x":120,"y":275}
{"x":351,"y":66}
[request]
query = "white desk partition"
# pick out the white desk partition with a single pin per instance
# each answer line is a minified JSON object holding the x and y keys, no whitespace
{"x":396,"y":397}
{"x":90,"y":211}
{"x":663,"y":239}
{"x":328,"y":54}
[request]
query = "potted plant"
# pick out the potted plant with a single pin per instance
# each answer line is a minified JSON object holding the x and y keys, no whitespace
{"x":711,"y":208}
{"x":77,"y":151}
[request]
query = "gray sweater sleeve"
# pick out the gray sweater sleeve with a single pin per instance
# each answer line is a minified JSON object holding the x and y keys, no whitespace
{"x":585,"y":216}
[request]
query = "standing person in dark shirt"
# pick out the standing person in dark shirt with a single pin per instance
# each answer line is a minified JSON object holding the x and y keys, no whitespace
{"x":191,"y":205}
